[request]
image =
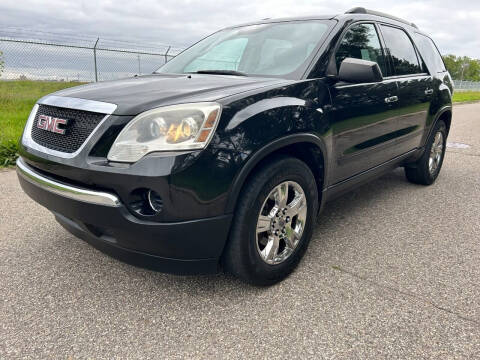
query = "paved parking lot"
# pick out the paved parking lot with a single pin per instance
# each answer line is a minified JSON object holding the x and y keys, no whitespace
{"x":393,"y":271}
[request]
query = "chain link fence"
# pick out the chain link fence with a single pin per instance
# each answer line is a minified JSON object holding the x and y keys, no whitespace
{"x":462,"y":85}
{"x":59,"y":57}
{"x":78,"y":59}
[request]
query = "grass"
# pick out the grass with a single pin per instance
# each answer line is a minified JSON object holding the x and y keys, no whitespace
{"x":465,"y":96}
{"x":16,"y":101}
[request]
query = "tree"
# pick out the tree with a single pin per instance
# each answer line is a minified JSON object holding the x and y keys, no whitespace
{"x":473,"y":71}
{"x":463,"y":67}
{"x":453,"y":65}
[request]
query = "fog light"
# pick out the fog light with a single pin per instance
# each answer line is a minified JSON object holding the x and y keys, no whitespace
{"x":155,"y":201}
{"x":145,"y":202}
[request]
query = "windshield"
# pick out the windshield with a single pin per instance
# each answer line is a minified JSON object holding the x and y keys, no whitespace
{"x":272,"y":49}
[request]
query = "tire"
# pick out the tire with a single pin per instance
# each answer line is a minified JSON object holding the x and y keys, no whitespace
{"x":422,"y":172}
{"x":244,"y":256}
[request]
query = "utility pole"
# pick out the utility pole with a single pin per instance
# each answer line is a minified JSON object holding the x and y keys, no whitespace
{"x":95,"y":59}
{"x":464,"y":65}
{"x":166,"y":53}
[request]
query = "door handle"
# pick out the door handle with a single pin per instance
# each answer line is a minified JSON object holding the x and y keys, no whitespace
{"x":391,"y":99}
{"x":429,"y":92}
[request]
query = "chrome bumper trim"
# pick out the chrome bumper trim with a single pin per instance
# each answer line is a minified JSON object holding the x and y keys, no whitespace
{"x":68,"y":191}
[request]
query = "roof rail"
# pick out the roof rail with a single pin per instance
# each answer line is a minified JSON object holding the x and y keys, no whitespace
{"x":362,"y":10}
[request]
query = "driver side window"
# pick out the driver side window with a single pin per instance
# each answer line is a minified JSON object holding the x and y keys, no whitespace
{"x":361,"y":42}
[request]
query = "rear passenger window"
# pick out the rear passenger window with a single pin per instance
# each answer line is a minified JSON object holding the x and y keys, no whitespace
{"x":361,"y":42}
{"x":402,"y":52}
{"x":430,"y":53}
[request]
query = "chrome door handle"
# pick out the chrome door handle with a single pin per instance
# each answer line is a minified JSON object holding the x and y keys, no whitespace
{"x":391,"y":99}
{"x":429,"y":92}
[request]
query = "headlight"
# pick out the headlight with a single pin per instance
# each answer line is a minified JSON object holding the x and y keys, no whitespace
{"x":169,"y":128}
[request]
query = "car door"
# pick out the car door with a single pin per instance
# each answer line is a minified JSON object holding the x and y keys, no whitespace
{"x":363,"y":115}
{"x":415,"y":88}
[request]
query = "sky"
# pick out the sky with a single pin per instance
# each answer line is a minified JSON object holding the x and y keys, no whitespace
{"x":454,"y":24}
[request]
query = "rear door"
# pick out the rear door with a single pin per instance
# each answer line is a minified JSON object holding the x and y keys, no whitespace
{"x":415,"y":88}
{"x":441,"y":80}
{"x":362,"y":117}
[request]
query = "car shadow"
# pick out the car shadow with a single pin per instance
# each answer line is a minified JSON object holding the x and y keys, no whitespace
{"x":354,"y":205}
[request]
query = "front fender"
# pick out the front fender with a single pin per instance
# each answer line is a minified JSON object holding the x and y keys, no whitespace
{"x":262,"y":153}
{"x":255,"y":125}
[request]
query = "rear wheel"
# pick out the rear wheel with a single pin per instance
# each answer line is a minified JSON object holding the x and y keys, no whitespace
{"x":273,"y":222}
{"x":425,"y":171}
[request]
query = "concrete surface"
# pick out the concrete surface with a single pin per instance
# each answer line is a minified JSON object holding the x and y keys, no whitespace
{"x":392,"y":272}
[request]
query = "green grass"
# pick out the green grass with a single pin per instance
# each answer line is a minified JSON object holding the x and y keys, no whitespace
{"x":465,"y":96}
{"x":16,"y":101}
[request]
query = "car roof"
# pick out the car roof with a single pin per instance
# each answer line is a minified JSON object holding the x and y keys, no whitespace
{"x":354,"y":14}
{"x":285,"y":19}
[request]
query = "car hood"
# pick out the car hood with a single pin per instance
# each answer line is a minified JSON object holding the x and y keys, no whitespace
{"x":135,"y":95}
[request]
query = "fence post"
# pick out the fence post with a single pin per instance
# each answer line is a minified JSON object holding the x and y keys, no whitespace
{"x":95,"y":59}
{"x":166,"y":53}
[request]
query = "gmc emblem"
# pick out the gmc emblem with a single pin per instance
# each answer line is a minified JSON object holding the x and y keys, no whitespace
{"x":49,"y":123}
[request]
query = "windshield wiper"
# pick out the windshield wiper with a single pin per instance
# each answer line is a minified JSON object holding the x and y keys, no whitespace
{"x":219,"y":72}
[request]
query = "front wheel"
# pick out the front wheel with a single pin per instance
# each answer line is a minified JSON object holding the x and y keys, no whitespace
{"x":273,"y":222}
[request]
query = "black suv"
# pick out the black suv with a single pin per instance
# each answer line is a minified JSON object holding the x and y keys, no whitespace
{"x":225,"y":155}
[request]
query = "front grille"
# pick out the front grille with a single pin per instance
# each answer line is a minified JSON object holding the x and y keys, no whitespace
{"x":79,"y":126}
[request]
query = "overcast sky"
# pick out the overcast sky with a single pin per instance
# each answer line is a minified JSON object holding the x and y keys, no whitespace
{"x":454,"y":24}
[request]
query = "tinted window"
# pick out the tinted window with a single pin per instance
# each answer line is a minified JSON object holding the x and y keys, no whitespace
{"x":402,"y":52}
{"x":430,"y":53}
{"x":361,"y":42}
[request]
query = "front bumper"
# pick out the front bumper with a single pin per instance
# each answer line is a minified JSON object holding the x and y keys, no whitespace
{"x":101,"y":219}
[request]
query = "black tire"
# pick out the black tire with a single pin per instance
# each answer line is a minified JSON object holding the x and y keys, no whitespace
{"x":241,"y":257}
{"x":419,"y":172}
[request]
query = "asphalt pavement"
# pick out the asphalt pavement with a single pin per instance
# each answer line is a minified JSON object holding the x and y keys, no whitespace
{"x":393,"y":271}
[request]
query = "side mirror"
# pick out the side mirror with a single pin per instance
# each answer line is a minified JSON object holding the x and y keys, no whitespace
{"x":359,"y":71}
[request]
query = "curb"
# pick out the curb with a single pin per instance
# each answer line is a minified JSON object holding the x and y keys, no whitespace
{"x":466,"y":102}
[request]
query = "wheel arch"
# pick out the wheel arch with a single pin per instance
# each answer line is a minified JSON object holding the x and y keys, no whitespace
{"x":446,"y":116}
{"x":306,"y":147}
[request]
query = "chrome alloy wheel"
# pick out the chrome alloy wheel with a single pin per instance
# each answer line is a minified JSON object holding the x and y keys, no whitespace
{"x":281,"y":222}
{"x":436,"y":153}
